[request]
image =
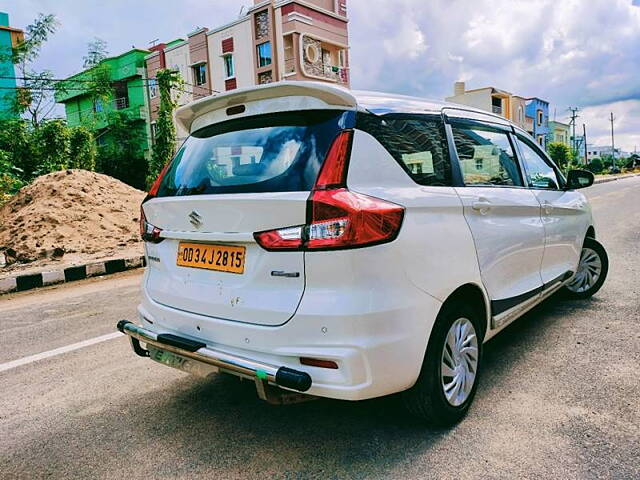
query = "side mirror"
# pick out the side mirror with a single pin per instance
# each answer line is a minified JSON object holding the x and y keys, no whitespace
{"x":579,"y":179}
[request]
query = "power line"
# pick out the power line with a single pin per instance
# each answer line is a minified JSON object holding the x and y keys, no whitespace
{"x":146,"y":81}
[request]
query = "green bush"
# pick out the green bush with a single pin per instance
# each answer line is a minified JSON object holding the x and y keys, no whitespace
{"x":10,"y":181}
{"x":120,"y":153}
{"x":52,"y":145}
{"x":595,"y":166}
{"x":82,"y":149}
{"x":16,"y":142}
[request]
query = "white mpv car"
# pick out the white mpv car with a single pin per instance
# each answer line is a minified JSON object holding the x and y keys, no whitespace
{"x":352,"y":245}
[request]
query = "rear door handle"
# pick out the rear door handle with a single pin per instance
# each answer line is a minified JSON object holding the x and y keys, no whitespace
{"x":482,"y":205}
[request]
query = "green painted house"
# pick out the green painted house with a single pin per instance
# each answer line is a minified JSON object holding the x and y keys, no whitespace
{"x":126,"y":75}
{"x":9,"y":38}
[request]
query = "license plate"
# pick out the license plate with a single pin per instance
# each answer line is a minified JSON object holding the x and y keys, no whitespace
{"x":223,"y":258}
{"x":167,"y":358}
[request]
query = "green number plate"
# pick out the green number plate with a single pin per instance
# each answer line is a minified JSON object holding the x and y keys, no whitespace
{"x":167,"y":358}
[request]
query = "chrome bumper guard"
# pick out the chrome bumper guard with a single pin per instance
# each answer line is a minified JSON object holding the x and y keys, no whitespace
{"x":262,"y":372}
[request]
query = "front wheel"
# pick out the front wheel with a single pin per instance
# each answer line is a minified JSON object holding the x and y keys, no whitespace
{"x":592,"y":270}
{"x":449,"y":376}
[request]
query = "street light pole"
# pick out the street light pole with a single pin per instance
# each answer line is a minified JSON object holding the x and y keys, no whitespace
{"x":584,"y":133}
{"x":613,"y":147}
{"x":572,"y":123}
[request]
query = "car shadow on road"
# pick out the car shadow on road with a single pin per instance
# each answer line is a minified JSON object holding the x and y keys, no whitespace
{"x":221,"y":422}
{"x":193,"y":425}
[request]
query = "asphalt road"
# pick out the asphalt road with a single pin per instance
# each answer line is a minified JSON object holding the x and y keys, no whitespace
{"x":559,"y":397}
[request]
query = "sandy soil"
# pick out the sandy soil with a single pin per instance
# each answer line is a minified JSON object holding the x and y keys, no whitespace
{"x":69,"y":217}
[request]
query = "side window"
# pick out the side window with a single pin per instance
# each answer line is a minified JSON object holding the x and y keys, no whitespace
{"x":486,"y":156}
{"x":539,"y":173}
{"x":417,"y":142}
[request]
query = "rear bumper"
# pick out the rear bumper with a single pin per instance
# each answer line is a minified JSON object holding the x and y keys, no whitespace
{"x":377,"y":341}
{"x":199,"y":352}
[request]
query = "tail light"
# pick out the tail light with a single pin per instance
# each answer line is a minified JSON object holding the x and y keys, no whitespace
{"x":336,"y":217}
{"x":148,"y":232}
{"x":153,"y":191}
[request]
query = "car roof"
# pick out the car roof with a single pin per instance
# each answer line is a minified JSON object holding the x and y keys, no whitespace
{"x":322,"y":93}
{"x":381,"y":103}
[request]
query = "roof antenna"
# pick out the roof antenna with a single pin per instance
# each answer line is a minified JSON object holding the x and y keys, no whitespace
{"x":241,"y":10}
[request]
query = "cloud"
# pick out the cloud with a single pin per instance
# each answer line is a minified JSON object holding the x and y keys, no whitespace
{"x":626,"y":116}
{"x":573,"y":52}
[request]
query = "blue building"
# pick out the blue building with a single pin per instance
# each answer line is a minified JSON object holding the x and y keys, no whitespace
{"x":537,"y":120}
{"x":9,"y":38}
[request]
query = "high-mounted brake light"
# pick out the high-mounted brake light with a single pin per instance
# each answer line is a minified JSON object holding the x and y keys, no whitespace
{"x":336,"y":217}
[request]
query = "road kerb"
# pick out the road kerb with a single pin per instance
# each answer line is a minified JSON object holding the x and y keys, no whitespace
{"x":18,"y":282}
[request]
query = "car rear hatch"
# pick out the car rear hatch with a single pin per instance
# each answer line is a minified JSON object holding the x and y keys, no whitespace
{"x":230,"y":179}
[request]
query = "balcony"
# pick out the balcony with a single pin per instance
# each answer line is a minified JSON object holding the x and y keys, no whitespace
{"x":121,"y":103}
{"x":323,"y":61}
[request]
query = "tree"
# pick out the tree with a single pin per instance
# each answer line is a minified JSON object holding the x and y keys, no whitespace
{"x":120,"y":153}
{"x":560,"y":153}
{"x":165,"y":138}
{"x":35,"y":94}
{"x":82,"y":149}
{"x":96,"y":52}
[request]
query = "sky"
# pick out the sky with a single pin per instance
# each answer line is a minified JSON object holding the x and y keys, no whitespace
{"x":583,"y":53}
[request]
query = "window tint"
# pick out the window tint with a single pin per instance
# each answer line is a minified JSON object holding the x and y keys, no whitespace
{"x":417,"y":142}
{"x":267,"y":153}
{"x":539,"y":173}
{"x":486,"y":156}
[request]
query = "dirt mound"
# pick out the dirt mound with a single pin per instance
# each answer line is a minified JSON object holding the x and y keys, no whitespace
{"x":76,"y":212}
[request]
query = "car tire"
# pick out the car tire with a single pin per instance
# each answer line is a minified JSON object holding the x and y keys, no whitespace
{"x":592,"y":271}
{"x":429,"y":398}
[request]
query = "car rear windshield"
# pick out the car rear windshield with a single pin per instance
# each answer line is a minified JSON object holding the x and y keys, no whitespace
{"x":267,"y":153}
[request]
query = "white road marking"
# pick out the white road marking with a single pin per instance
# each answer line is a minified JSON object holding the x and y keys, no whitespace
{"x":58,"y":351}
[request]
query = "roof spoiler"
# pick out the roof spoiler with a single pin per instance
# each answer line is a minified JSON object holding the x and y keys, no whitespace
{"x":322,"y":94}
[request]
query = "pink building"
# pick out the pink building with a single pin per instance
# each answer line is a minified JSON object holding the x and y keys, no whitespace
{"x":273,"y":40}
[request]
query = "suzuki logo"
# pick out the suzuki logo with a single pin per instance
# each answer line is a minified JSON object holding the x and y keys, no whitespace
{"x":195,"y":219}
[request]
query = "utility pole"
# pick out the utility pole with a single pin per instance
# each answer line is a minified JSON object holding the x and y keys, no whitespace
{"x":574,"y":115}
{"x":613,"y":146}
{"x":584,"y":134}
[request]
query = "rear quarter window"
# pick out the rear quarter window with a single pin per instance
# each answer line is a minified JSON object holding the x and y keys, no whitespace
{"x":266,"y":153}
{"x":417,"y":142}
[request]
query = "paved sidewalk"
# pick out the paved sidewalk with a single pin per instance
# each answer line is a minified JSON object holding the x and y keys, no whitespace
{"x":612,"y":178}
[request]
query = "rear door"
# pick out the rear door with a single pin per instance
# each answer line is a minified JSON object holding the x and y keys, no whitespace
{"x":503,"y":215}
{"x":564,"y":213}
{"x":228,"y":181}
